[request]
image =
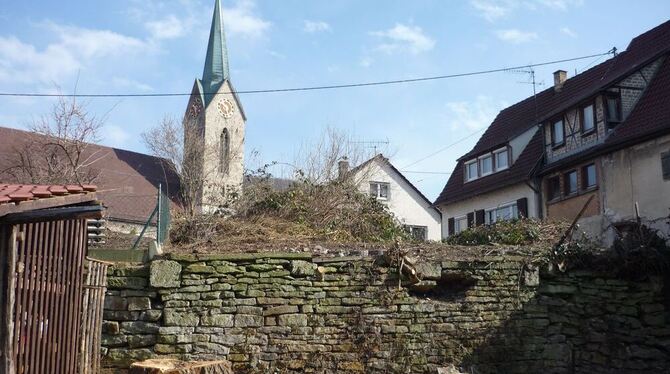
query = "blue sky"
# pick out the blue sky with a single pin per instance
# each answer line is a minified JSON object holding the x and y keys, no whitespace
{"x":130,"y":46}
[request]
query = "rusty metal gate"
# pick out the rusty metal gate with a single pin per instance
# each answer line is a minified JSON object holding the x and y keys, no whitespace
{"x":45,"y":286}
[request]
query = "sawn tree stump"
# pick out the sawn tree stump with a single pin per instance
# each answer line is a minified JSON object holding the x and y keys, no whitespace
{"x":170,"y":366}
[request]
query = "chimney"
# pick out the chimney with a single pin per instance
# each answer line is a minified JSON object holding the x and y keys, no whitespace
{"x":559,"y":78}
{"x":343,"y":168}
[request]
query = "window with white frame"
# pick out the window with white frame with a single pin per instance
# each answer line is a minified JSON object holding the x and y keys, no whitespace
{"x":485,"y":165}
{"x":504,"y":212}
{"x":379,"y":190}
{"x":471,"y":170}
{"x":460,"y":224}
{"x":417,"y":232}
{"x":501,"y":159}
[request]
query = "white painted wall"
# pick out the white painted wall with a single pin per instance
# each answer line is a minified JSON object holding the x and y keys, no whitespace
{"x":519,"y":143}
{"x":404,"y":202}
{"x":490,"y":200}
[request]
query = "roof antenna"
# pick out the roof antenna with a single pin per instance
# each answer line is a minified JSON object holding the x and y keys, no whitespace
{"x":372,"y":144}
{"x":531,"y":80}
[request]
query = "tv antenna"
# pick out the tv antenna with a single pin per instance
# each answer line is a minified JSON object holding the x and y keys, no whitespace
{"x":372,"y":144}
{"x":531,"y":80}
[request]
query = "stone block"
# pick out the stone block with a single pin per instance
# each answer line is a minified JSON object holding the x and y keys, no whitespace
{"x":218,"y":320}
{"x":282,"y":309}
{"x":112,"y":341}
{"x":292,"y":320}
{"x":139,"y":303}
{"x":428,"y":270}
{"x":248,"y":320}
{"x":200,"y":268}
{"x":139,"y":327}
{"x":140,"y":341}
{"x":151,"y":315}
{"x":165,"y":274}
{"x":211,"y":348}
{"x":122,"y":357}
{"x":116,"y":303}
{"x":110,"y":327}
{"x":173,"y":317}
{"x":133,"y":283}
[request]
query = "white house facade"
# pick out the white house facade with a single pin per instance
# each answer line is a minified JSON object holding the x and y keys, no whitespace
{"x":381,"y":180}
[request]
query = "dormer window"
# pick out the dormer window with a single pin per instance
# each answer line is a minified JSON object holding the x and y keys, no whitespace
{"x":486,"y":165}
{"x":557,"y":133}
{"x":501,"y":159}
{"x":471,"y":170}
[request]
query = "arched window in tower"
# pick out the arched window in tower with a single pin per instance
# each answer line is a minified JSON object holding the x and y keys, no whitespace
{"x":224,"y":152}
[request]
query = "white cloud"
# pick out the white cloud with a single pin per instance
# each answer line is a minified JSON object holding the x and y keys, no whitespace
{"x":515,"y":36}
{"x":169,"y":27}
{"x":366,"y":62}
{"x":473,"y":115}
{"x":567,"y":31}
{"x":403,"y":38}
{"x":115,"y":136}
{"x":74,"y":49}
{"x":315,"y":26}
{"x":561,"y":4}
{"x":492,"y":10}
{"x":130,"y":83}
{"x":241,"y":19}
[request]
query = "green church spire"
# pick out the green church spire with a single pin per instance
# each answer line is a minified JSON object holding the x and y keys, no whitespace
{"x":216,"y":64}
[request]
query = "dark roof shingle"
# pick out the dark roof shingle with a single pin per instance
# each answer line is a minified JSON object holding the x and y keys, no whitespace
{"x":518,"y":118}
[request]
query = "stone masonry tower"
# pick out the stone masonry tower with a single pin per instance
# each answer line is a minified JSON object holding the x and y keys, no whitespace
{"x":215,"y":110}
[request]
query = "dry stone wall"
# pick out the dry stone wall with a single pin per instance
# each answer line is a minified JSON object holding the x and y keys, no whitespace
{"x":290,"y":312}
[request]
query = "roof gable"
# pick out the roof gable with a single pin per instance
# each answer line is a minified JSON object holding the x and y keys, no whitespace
{"x":519,"y":117}
{"x":383,"y":161}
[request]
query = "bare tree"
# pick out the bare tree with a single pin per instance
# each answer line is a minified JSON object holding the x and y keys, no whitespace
{"x":59,"y":149}
{"x":182,"y":145}
{"x":318,"y":160}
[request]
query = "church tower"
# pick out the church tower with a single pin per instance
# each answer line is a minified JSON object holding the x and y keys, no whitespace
{"x":216,"y":113}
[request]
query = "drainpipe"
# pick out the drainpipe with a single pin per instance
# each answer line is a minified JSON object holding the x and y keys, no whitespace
{"x":538,"y":196}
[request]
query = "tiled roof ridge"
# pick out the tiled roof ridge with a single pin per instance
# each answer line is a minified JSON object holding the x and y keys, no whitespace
{"x":16,"y":193}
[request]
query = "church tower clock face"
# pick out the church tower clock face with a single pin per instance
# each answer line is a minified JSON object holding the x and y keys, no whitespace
{"x":226,"y":108}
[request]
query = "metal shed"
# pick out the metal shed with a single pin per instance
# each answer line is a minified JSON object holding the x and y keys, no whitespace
{"x":52,"y":294}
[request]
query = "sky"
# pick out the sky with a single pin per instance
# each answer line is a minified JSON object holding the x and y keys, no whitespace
{"x":132,"y":46}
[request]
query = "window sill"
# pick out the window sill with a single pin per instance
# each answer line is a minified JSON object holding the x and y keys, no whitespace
{"x":587,"y":133}
{"x":557,"y":146}
{"x":572,"y":195}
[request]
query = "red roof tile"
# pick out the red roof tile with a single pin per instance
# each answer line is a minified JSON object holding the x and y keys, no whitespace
{"x":14,"y":193}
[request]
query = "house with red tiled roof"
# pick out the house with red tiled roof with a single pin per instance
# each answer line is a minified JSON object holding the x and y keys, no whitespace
{"x":603,"y":133}
{"x":127,"y":182}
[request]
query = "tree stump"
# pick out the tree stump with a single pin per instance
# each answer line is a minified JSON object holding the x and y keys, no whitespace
{"x":171,"y":366}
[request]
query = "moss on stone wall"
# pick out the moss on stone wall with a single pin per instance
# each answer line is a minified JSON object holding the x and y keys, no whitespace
{"x":292,"y":313}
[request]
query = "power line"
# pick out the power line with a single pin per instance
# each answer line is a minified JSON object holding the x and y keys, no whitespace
{"x":426,"y":172}
{"x":445,"y":148}
{"x":315,"y":88}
